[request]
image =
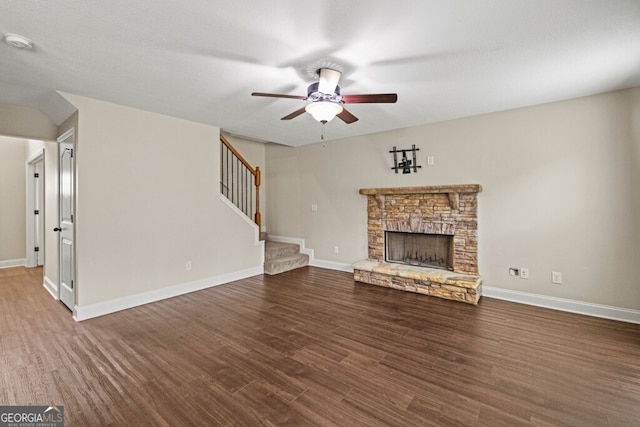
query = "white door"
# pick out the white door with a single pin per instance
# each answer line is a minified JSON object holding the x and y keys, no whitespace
{"x":65,"y":228}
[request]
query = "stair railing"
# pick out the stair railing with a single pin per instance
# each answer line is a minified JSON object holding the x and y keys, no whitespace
{"x":239,"y":181}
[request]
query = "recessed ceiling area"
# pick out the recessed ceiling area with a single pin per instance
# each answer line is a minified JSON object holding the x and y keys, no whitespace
{"x":201,"y":60}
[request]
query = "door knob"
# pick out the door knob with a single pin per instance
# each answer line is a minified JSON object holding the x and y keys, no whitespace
{"x":57,"y":229}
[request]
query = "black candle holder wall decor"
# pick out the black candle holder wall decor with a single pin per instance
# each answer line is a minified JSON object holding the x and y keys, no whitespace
{"x":405,"y":164}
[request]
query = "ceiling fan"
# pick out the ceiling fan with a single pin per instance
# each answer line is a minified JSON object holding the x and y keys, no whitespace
{"x":326,"y":100}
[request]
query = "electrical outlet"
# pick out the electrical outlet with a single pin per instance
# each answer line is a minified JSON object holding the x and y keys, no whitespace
{"x":336,"y":250}
{"x":524,"y":273}
{"x":514,"y":271}
{"x":188,"y":265}
{"x":430,"y":160}
{"x":314,"y":207}
{"x":556,"y":277}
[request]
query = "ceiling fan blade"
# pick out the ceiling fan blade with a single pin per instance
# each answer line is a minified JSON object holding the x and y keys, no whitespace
{"x":294,"y":114}
{"x":278,"y":95}
{"x":328,"y":80}
{"x":347,"y":117}
{"x":374,"y":98}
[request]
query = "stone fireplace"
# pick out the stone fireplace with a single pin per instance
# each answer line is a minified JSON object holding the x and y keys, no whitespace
{"x":424,"y":240}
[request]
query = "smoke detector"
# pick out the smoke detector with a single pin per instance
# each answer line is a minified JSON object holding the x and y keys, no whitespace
{"x":18,"y":41}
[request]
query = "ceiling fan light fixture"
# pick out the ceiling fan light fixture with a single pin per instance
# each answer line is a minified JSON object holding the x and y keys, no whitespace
{"x":323,"y":111}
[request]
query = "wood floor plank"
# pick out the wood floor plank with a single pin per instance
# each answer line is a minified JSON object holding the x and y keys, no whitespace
{"x":320,"y":409}
{"x":311,"y":347}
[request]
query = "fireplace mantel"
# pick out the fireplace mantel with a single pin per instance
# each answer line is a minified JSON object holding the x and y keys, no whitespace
{"x":433,"y":189}
{"x":453,"y":191}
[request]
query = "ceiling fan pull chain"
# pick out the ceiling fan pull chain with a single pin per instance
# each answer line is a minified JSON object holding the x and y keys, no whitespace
{"x":324,"y":126}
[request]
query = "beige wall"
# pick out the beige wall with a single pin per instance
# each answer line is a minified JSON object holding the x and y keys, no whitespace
{"x":560,"y":192}
{"x":13,"y":157}
{"x":148,"y":201}
{"x":70,"y":123}
{"x":26,"y":123}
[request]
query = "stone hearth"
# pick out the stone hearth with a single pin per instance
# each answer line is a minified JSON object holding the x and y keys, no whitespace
{"x":428,"y":281}
{"x":445,"y":210}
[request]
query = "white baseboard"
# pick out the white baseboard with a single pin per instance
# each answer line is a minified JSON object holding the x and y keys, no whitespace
{"x":332,"y":265}
{"x":51,"y":287}
{"x":562,"y":304}
{"x":13,"y":263}
{"x":81,"y":313}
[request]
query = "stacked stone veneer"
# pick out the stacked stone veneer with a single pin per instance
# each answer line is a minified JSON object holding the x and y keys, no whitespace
{"x":449,"y":210}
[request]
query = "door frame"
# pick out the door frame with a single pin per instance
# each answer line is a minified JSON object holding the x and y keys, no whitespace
{"x":35,"y":189}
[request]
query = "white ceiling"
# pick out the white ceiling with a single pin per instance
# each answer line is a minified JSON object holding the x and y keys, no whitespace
{"x":201,"y":59}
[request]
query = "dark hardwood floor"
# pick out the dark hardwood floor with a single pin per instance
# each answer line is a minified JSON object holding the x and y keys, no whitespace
{"x":311,"y":347}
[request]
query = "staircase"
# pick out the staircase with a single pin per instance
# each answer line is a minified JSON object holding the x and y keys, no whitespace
{"x":237,"y":181}
{"x":280,"y":257}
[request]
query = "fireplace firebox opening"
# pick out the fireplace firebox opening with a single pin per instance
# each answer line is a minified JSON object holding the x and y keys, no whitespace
{"x":418,"y":249}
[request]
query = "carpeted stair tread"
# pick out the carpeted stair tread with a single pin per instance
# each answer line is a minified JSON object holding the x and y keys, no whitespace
{"x":274,"y":250}
{"x":281,"y":257}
